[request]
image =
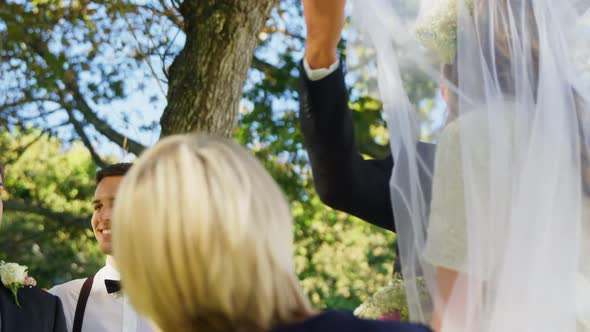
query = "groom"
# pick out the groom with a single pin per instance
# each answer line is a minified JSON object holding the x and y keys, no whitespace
{"x":96,"y":303}
{"x":38,"y":311}
{"x":343,"y":178}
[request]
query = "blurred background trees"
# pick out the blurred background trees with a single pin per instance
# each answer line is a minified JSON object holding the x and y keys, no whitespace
{"x":86,"y":83}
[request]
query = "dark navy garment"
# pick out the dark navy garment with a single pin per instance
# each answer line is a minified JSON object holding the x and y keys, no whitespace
{"x":346,"y":322}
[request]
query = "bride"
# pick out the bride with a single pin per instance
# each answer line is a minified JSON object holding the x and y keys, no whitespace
{"x":504,"y":245}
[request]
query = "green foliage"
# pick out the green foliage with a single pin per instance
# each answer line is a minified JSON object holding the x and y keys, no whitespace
{"x":64,"y":63}
{"x":340,"y":260}
{"x":56,"y":182}
{"x":66,"y":60}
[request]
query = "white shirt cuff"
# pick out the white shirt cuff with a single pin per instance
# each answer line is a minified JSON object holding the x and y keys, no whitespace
{"x":318,"y":74}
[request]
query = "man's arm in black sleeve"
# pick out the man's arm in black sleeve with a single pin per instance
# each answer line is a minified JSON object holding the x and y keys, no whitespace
{"x":343,"y":179}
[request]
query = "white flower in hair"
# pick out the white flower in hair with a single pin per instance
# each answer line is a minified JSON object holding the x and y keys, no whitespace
{"x":438,"y":32}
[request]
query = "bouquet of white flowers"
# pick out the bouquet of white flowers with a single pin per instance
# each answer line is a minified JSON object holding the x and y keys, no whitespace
{"x":389,"y":303}
{"x":438,"y":32}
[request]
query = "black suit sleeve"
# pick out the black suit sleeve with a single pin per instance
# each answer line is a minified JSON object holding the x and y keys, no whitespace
{"x":343,"y":179}
{"x":60,"y":319}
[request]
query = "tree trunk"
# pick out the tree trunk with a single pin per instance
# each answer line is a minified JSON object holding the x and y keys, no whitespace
{"x":207,"y":78}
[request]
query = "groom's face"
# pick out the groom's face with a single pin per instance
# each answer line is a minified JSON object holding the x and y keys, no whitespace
{"x":102,"y":207}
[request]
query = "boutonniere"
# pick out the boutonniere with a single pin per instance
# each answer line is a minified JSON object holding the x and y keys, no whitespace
{"x":15,"y":276}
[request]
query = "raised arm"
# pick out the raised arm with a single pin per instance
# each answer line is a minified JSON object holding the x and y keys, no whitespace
{"x":324,"y":20}
{"x":343,"y":179}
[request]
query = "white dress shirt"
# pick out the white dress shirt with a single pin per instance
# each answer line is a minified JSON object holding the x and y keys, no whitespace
{"x":104,"y":312}
{"x":318,"y":74}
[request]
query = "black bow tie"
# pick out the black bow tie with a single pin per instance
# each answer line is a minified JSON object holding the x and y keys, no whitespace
{"x":113,"y":286}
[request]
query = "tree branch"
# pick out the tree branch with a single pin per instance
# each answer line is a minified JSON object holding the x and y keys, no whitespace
{"x":171,"y":14}
{"x":23,"y":101}
{"x":102,"y":126}
{"x":79,"y":128}
{"x":65,"y":217}
{"x":60,"y":217}
{"x":40,"y":47}
{"x":20,"y":151}
{"x":267,"y":68}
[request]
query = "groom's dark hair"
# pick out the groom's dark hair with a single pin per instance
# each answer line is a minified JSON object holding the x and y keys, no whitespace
{"x":119,"y":169}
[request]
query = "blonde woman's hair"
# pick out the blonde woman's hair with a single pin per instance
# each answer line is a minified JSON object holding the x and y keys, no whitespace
{"x":203,"y":239}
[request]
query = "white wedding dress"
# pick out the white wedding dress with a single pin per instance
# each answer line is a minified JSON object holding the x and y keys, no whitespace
{"x":507,"y":202}
{"x":446,"y":245}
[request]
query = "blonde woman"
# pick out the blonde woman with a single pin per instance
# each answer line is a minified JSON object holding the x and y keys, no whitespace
{"x":204,"y":241}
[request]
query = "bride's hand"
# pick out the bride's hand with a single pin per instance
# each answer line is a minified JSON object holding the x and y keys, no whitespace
{"x":325,"y":21}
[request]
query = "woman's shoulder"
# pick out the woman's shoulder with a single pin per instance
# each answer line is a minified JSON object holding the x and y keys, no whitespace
{"x":478,"y":129}
{"x":505,"y":116}
{"x":347,"y":322}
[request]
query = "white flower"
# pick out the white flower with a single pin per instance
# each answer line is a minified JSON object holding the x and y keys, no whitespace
{"x":12,"y":273}
{"x":438,"y":32}
{"x":390,"y":300}
{"x":15,"y":276}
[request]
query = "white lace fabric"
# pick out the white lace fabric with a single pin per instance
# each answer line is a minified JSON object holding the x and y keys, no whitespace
{"x":447,"y":235}
{"x":509,"y":215}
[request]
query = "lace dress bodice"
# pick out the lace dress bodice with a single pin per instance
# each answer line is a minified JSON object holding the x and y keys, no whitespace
{"x":446,"y":245}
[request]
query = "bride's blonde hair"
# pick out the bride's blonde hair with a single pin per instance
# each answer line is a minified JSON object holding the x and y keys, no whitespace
{"x":204,"y":240}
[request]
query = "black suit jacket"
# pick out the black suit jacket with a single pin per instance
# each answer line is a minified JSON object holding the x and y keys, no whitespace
{"x":343,"y":179}
{"x":39,"y":311}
